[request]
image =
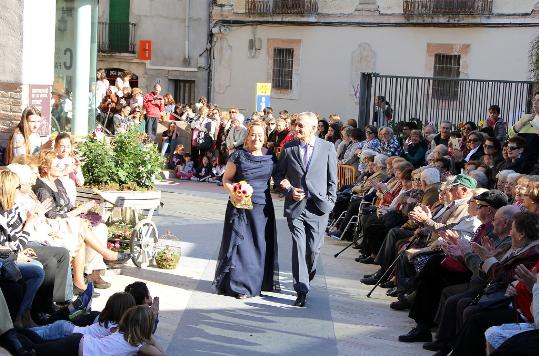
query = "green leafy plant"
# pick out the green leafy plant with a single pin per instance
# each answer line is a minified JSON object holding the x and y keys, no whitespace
{"x":127,"y":163}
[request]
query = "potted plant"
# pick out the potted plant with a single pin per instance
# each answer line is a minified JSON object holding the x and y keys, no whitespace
{"x":168,"y":258}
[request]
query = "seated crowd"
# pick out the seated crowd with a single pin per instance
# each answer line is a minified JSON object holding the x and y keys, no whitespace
{"x":451,"y":219}
{"x":51,"y":251}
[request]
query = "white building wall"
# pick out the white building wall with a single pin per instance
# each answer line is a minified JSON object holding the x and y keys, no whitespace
{"x":327,"y":82}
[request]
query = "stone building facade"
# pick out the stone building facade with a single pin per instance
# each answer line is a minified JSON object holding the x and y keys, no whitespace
{"x":323,"y":46}
{"x":178,"y":31}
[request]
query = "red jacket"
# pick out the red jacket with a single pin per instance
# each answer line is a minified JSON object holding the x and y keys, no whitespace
{"x":152,"y":105}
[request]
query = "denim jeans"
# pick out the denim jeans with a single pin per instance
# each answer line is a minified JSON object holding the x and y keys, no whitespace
{"x":33,"y":275}
{"x":57,"y":330}
{"x":151,"y":127}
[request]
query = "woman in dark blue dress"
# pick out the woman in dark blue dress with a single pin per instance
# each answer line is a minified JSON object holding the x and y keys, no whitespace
{"x":247,"y":262}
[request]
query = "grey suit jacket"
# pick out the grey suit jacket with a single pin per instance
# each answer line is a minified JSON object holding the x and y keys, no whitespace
{"x":320,"y":180}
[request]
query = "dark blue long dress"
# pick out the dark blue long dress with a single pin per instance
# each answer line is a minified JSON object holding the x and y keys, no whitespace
{"x":247,"y":262}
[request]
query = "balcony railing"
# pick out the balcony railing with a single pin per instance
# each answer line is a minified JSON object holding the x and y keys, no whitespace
{"x":281,"y":7}
{"x":447,"y":7}
{"x":116,"y":37}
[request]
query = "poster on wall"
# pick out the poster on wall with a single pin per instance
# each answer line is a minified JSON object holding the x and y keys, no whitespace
{"x":40,"y":97}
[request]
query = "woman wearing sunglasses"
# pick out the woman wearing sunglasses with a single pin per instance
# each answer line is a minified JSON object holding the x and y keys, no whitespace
{"x":474,"y":144}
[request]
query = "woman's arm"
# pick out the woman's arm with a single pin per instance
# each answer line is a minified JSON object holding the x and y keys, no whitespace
{"x":228,"y":177}
{"x":152,"y":348}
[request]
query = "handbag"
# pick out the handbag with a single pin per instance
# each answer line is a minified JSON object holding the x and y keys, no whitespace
{"x":9,"y":271}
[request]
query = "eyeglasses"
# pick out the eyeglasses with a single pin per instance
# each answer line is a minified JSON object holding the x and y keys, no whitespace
{"x":512,"y":148}
{"x":271,"y":123}
{"x":472,"y":140}
{"x":369,"y":132}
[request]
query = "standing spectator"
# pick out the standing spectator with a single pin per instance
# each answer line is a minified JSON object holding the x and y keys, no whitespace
{"x":334,"y":135}
{"x":281,"y":131}
{"x":334,"y":119}
{"x":154,"y":105}
{"x":383,"y":113}
{"x":528,"y":128}
{"x":101,"y":85}
{"x":25,"y":139}
{"x":497,"y":124}
{"x":270,"y":131}
{"x":445,"y":132}
{"x":322,"y":129}
{"x":237,"y":133}
{"x":123,"y":80}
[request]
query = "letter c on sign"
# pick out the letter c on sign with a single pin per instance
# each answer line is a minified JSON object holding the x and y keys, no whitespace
{"x":68,"y":52}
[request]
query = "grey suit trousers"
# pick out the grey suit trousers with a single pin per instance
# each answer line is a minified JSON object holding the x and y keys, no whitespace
{"x":308,"y":232}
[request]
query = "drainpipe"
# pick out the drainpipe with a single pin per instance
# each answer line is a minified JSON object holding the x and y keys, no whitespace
{"x":186,"y":60}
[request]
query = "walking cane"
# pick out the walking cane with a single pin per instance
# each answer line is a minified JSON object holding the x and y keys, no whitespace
{"x":348,"y":246}
{"x":393,"y":264}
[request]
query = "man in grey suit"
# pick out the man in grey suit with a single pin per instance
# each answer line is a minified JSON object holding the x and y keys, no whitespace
{"x":307,"y":170}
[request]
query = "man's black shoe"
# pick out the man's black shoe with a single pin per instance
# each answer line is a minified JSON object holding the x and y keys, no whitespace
{"x":372,"y":274}
{"x":393,"y":292}
{"x":368,"y":260}
{"x":360,"y":257}
{"x":300,"y":300}
{"x":387,"y":284}
{"x":434,"y":346}
{"x":417,"y":334}
{"x":401,"y":304}
{"x":370,"y":281}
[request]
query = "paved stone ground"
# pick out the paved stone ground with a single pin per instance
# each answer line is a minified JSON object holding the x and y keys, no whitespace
{"x":338,"y":319}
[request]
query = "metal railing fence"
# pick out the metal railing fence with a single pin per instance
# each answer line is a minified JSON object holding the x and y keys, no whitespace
{"x":431,"y":100}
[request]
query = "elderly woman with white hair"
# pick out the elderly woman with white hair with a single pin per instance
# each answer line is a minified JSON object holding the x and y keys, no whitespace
{"x":501,"y":178}
{"x":389,"y":144}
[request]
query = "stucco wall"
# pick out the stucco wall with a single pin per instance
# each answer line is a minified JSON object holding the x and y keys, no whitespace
{"x":163,"y":22}
{"x":11,"y":30}
{"x":326,"y":81}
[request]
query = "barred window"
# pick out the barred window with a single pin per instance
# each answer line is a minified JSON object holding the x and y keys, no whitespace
{"x":283,"y":65}
{"x":184,"y":91}
{"x":446,"y":66}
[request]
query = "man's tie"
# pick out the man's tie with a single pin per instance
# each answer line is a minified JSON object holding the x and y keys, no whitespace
{"x":308,"y":150}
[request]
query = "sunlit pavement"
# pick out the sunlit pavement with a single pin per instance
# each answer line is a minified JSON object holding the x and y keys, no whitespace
{"x":338,"y":318}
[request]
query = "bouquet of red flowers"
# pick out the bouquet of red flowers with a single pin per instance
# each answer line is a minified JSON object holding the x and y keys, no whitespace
{"x":241,"y":195}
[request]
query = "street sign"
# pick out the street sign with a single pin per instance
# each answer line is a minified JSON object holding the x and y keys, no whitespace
{"x":263,"y":94}
{"x":263,"y":88}
{"x":262,"y":102}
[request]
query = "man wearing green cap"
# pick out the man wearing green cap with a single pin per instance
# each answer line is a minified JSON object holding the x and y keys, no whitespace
{"x":424,"y":306}
{"x":461,"y":190}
